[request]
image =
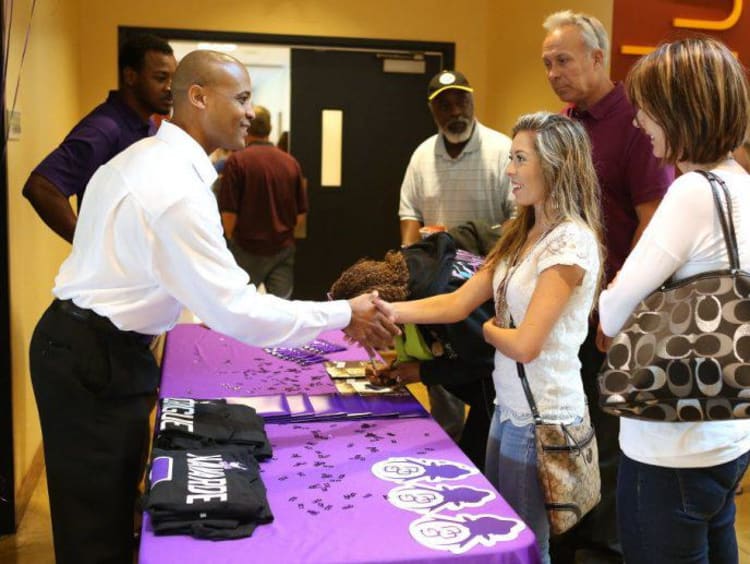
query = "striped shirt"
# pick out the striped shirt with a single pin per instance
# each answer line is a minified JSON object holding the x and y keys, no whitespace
{"x":440,"y":190}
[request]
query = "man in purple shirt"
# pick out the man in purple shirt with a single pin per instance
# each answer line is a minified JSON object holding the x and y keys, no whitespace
{"x":632,"y":183}
{"x":146,"y":64}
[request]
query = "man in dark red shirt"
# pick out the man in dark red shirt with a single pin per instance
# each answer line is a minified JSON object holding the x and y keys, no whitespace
{"x":632,"y":182}
{"x":146,"y":65}
{"x":261,"y":199}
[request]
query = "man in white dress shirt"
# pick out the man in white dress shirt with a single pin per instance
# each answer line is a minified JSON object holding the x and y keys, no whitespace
{"x":148,"y":242}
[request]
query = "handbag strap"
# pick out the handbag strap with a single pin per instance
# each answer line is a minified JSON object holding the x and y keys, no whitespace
{"x":725,"y":218}
{"x":529,"y":395}
{"x":572,"y":442}
{"x":526,"y":388}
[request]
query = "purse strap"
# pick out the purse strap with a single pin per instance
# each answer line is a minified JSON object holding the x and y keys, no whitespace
{"x":529,"y":395}
{"x":526,"y":388}
{"x":725,"y":218}
{"x":573,"y":443}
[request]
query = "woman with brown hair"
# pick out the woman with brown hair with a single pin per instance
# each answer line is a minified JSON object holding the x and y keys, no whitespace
{"x":677,"y":480}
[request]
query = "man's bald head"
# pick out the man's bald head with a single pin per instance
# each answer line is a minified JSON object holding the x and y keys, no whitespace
{"x":212,"y":92}
{"x":201,"y":67}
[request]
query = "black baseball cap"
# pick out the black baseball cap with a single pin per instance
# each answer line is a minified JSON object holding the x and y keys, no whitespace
{"x":445,"y":80}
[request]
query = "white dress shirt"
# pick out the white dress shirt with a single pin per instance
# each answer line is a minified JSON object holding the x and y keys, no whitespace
{"x":683,"y":238}
{"x":149,"y":241}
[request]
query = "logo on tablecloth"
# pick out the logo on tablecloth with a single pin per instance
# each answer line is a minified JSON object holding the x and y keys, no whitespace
{"x":456,"y":533}
{"x":462,"y":532}
{"x":423,"y":498}
{"x":404,"y":470}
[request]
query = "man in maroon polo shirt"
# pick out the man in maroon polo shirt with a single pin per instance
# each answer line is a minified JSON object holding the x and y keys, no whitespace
{"x":261,"y":199}
{"x":632,"y":182}
{"x":146,"y":64}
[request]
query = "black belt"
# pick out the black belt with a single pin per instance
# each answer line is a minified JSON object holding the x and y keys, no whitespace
{"x":96,"y":321}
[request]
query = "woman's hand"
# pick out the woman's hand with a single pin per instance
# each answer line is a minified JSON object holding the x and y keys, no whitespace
{"x":602,"y":341}
{"x":613,"y":281}
{"x":386,"y":309}
{"x":404,"y":373}
{"x":490,"y":331}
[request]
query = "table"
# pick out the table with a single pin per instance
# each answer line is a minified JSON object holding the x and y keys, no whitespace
{"x":381,"y":490}
{"x":200,"y":363}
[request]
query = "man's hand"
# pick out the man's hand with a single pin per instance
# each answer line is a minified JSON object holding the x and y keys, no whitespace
{"x":369,"y":326}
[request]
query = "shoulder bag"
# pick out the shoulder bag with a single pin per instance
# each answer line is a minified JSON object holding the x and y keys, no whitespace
{"x":684,"y":353}
{"x":567,"y":465}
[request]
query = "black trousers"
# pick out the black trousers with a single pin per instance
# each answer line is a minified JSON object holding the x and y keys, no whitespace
{"x":94,"y":387}
{"x":596,"y":534}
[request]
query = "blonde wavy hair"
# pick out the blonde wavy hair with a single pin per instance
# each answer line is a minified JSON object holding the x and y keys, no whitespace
{"x":564,"y":150}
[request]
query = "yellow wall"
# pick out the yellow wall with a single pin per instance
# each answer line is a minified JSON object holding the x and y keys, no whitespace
{"x":428,"y":20}
{"x":498,"y":43}
{"x":49,"y":103}
{"x":71,"y":64}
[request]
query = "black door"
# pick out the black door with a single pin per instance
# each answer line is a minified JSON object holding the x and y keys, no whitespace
{"x":385,"y":117}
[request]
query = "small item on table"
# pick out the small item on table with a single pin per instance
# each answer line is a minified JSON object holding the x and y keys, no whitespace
{"x":379,"y":375}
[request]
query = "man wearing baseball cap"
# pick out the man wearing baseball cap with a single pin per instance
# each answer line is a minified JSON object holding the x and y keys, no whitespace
{"x":455,"y":176}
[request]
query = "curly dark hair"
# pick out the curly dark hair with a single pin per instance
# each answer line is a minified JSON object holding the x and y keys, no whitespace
{"x":390,"y":277}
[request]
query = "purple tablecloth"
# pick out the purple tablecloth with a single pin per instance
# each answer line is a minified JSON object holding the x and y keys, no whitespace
{"x":200,"y":363}
{"x":388,"y":490}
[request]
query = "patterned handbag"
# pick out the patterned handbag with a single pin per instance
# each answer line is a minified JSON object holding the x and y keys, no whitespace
{"x":684,"y":353}
{"x":567,"y":465}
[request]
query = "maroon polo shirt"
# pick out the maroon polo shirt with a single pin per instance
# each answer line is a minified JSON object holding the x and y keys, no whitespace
{"x":108,"y":129}
{"x":263,"y":186}
{"x":629,"y":174}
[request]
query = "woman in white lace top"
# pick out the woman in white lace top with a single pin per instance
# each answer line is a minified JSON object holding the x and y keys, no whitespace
{"x":544,"y":273}
{"x":676,"y":481}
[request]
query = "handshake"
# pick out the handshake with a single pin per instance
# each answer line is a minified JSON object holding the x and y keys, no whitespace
{"x":373,"y":324}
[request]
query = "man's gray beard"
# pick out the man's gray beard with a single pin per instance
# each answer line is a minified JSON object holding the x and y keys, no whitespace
{"x":456,"y":138}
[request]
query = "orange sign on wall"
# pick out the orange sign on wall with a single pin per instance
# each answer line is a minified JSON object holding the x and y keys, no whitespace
{"x":640,"y":26}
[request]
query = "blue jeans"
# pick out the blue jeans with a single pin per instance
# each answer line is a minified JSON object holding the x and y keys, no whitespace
{"x":678,"y":515}
{"x":511,"y":468}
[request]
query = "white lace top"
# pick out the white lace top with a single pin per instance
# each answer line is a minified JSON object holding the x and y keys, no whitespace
{"x":554,"y":376}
